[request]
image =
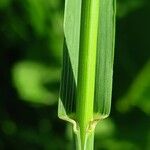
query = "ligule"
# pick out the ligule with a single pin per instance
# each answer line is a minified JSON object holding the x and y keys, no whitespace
{"x":86,"y":84}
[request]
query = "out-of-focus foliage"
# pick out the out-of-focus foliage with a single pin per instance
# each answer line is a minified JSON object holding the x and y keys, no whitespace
{"x":29,"y":79}
{"x":139,"y":92}
{"x":124,"y":7}
{"x":31,"y":37}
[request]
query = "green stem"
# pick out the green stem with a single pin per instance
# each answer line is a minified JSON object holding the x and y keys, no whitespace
{"x":89,"y":142}
{"x":87,"y":63}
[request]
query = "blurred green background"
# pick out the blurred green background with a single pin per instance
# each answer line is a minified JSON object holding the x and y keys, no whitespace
{"x":31,"y":39}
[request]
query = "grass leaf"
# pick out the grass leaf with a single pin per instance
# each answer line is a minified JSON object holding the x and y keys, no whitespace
{"x":86,"y":84}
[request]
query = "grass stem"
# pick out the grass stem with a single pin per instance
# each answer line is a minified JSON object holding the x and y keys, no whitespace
{"x":87,"y":62}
